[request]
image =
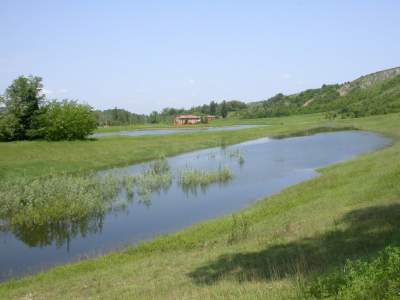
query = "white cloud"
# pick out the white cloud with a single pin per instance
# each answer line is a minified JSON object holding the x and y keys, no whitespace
{"x":191,"y":81}
{"x":62,"y":91}
{"x":286,"y":76}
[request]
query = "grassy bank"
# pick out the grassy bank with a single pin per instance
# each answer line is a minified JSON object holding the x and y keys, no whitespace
{"x":214,"y":123}
{"x":274,"y":249}
{"x":30,"y":159}
{"x":133,"y":127}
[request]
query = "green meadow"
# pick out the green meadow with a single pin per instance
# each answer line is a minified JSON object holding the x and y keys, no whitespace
{"x":335,"y":236}
{"x":30,"y":159}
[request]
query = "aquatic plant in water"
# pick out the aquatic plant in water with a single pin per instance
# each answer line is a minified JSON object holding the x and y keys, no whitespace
{"x":237,"y":155}
{"x":55,"y":199}
{"x":67,"y":199}
{"x":159,"y":166}
{"x":154,"y":179}
{"x":191,"y":179}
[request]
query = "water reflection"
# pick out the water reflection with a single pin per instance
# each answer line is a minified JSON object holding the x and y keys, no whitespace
{"x":155,"y":180}
{"x":58,"y":234}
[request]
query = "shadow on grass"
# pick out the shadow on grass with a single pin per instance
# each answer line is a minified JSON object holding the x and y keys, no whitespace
{"x":365,"y":232}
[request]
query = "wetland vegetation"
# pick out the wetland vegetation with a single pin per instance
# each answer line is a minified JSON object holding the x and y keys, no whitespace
{"x":191,"y":179}
{"x":281,"y":245}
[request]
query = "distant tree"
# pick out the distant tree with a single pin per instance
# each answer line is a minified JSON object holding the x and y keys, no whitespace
{"x":154,"y":117}
{"x":213,"y":108}
{"x":21,"y":102}
{"x":115,"y":114}
{"x":118,"y":116}
{"x":265,"y":107}
{"x":204,"y":119}
{"x":205,"y":109}
{"x":224,"y":110}
{"x":235,"y":105}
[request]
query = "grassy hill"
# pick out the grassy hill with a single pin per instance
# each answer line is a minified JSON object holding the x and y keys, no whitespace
{"x":376,"y":93}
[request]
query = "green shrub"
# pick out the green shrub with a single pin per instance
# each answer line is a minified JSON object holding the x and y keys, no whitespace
{"x":9,"y":126}
{"x":375,"y":279}
{"x":66,"y":120}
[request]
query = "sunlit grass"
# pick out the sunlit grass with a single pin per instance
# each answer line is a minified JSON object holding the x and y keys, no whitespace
{"x":280,"y":247}
{"x":31,"y":159}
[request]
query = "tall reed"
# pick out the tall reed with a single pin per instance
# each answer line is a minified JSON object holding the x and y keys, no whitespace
{"x":191,"y":179}
{"x":56,"y":198}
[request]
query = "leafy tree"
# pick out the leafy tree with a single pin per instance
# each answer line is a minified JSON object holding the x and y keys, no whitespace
{"x":9,"y":126}
{"x":65,"y":120}
{"x":224,"y":110}
{"x":22,"y":101}
{"x":213,"y":108}
{"x":205,"y":109}
{"x":154,"y":117}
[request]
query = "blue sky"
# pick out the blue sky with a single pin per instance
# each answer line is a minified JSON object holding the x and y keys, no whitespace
{"x":147,"y":55}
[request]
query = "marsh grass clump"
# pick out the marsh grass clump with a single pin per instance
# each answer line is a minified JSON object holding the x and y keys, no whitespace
{"x":150,"y":182}
{"x":155,"y":178}
{"x":160,"y":165}
{"x":237,"y":155}
{"x":191,"y":179}
{"x":67,"y":198}
{"x":128,"y":182}
{"x":55,"y":199}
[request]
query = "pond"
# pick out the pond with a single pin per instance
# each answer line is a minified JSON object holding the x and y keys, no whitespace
{"x":260,"y":168}
{"x":173,"y":131}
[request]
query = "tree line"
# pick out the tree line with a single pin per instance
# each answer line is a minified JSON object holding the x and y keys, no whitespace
{"x":117,"y":116}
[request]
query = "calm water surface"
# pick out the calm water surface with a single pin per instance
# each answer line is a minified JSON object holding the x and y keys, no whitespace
{"x":174,"y":131}
{"x":269,"y":166}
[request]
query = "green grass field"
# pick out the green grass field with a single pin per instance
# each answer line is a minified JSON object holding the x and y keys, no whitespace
{"x":214,"y":123}
{"x":40,"y":158}
{"x":274,"y":249}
